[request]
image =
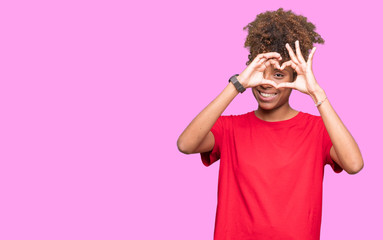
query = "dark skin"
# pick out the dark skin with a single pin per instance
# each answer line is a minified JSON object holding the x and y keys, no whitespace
{"x":269,"y":108}
{"x":345,"y":151}
{"x":271,"y":85}
{"x":264,"y":76}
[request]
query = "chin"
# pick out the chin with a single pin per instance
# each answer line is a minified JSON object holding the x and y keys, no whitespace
{"x":267,"y":106}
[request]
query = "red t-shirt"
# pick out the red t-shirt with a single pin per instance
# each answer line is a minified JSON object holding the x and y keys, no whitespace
{"x":270,"y":177}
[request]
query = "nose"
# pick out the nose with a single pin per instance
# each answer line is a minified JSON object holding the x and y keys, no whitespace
{"x":266,"y":86}
{"x":268,"y":75}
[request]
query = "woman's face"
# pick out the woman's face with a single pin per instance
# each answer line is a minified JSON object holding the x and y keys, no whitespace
{"x":270,"y":98}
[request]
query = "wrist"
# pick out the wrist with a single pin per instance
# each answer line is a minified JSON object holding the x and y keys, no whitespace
{"x":237,"y":84}
{"x":318,"y":94}
{"x":241,"y":81}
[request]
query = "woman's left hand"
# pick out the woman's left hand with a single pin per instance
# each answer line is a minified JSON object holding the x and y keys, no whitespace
{"x":305,"y":81}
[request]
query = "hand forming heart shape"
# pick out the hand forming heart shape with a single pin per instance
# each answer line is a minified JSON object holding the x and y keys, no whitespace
{"x":305,"y":81}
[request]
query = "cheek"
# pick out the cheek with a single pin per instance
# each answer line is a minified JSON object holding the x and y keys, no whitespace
{"x":294,"y":76}
{"x":253,"y":90}
{"x":286,"y":92}
{"x":287,"y":79}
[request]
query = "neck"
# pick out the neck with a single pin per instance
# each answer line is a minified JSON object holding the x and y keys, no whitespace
{"x":274,"y":115}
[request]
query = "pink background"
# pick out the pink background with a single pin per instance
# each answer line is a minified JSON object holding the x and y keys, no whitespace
{"x":94,"y":94}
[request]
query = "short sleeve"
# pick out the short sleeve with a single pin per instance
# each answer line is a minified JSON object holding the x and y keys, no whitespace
{"x":327,"y":144}
{"x":209,"y":158}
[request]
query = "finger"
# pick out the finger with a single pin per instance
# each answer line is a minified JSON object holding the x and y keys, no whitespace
{"x":267,"y":82}
{"x":270,"y":55}
{"x":276,"y":65}
{"x":256,"y":60}
{"x":272,"y":62}
{"x":287,"y":85}
{"x":289,"y":64}
{"x":262,"y":61}
{"x":261,"y":64}
{"x":268,"y":62}
{"x":259,"y":59}
{"x":292,"y":54}
{"x":299,"y":53}
{"x":311,"y":56}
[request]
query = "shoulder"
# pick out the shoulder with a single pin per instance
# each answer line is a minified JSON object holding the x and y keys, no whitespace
{"x":312,"y":120}
{"x":238,"y":117}
{"x":236,"y":120}
{"x":310,"y":117}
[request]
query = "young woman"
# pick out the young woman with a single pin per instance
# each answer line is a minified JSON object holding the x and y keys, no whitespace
{"x":272,"y":159}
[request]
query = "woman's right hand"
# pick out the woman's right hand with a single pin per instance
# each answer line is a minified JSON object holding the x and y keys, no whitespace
{"x":252,"y":76}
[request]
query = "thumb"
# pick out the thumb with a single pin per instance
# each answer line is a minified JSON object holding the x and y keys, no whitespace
{"x":267,"y":83}
{"x":287,"y":85}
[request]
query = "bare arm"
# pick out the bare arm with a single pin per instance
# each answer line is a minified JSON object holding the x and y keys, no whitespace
{"x":345,"y":150}
{"x":197,"y":137}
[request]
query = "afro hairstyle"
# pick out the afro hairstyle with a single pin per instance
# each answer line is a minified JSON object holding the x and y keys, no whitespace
{"x":271,"y":30}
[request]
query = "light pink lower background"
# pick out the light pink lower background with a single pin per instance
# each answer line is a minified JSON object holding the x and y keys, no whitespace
{"x":94,"y":94}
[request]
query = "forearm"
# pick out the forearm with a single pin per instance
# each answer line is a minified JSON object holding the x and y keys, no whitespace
{"x":198,"y":129}
{"x":346,"y":148}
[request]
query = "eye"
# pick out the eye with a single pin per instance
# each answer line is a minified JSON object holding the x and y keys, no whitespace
{"x":279,"y":75}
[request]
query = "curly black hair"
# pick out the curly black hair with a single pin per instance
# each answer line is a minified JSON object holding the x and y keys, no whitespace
{"x":271,"y":30}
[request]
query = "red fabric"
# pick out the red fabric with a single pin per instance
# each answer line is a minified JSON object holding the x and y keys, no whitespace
{"x":270,"y":177}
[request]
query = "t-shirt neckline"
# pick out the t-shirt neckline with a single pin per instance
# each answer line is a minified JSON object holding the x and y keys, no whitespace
{"x":287,"y":122}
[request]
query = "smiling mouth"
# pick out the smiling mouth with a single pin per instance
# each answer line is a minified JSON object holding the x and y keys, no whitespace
{"x":267,"y":96}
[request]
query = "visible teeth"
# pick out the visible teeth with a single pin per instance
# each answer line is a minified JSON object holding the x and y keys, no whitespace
{"x":267,"y":94}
